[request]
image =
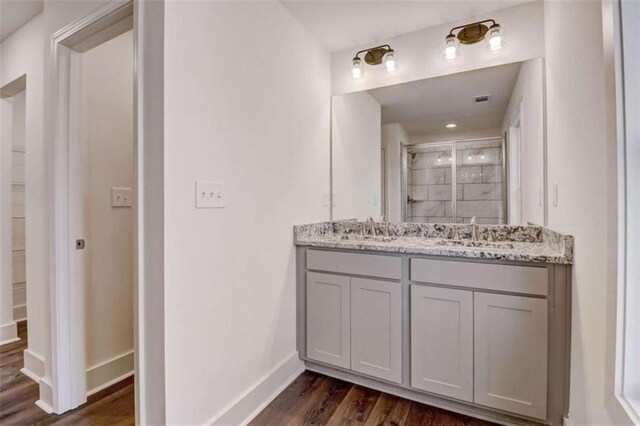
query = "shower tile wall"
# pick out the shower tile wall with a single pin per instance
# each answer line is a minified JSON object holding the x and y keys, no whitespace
{"x":479,"y":184}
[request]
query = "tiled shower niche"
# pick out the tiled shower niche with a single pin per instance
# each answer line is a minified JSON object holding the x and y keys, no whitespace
{"x":479,"y":189}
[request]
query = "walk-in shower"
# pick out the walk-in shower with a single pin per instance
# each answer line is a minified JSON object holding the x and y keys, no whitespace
{"x":454,"y":181}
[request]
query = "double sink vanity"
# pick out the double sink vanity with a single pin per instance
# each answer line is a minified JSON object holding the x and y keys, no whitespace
{"x":480,"y":326}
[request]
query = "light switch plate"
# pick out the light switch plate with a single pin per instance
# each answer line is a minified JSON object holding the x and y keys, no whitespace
{"x":210,"y":194}
{"x":121,"y":197}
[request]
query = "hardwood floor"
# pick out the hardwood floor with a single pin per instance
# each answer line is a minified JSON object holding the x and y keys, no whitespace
{"x":18,"y":393}
{"x":314,"y":399}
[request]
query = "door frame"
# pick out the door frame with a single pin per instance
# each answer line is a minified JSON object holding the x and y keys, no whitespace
{"x":68,"y":352}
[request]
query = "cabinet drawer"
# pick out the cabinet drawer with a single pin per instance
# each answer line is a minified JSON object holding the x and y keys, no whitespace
{"x":516,"y":279}
{"x":357,"y":264}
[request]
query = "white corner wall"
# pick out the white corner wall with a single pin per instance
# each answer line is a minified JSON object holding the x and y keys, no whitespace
{"x":107,"y":135}
{"x":247,"y":103}
{"x":356,"y":156}
{"x":420,"y":53}
{"x":23,"y":53}
{"x":394,"y":136}
{"x":528,"y":92}
{"x":582,"y":162}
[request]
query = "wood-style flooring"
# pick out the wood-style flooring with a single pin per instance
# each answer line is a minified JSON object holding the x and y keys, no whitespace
{"x":314,"y":399}
{"x":18,"y":393}
{"x":311,"y":399}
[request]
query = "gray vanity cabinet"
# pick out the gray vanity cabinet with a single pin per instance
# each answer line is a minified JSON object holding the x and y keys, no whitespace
{"x":355,"y":323}
{"x":376,"y":329}
{"x":442,"y":341}
{"x":328,"y":319}
{"x":510,"y":350}
{"x":480,"y":337}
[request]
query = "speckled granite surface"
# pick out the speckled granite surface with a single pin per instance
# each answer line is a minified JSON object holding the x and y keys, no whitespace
{"x":516,"y":243}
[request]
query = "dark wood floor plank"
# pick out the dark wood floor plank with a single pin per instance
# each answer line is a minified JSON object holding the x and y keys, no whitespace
{"x":356,"y":406}
{"x":320,"y":412}
{"x":291,"y":405}
{"x":113,"y":406}
{"x":390,"y":410}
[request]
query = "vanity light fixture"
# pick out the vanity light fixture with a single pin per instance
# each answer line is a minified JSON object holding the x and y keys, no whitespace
{"x":471,"y":34}
{"x":451,"y":126}
{"x":374,"y":56}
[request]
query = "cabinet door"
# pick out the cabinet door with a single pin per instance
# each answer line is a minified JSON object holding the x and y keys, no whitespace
{"x":442,"y":341}
{"x":376,"y":330}
{"x":510,"y":347}
{"x":328,"y":319}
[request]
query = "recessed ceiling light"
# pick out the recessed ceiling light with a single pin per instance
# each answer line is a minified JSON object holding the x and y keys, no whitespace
{"x":451,"y":126}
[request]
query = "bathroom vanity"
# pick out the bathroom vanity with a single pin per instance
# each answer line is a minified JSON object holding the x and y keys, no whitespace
{"x":477,"y":327}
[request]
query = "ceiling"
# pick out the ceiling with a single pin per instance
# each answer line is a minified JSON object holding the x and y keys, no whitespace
{"x":426,"y":106}
{"x":15,"y":13}
{"x":341,"y":25}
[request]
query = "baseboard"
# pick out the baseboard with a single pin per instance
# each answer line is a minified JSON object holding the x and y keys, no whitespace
{"x":110,"y":372}
{"x":33,"y":365}
{"x":257,"y":397}
{"x":8,"y":333}
{"x":46,"y":395}
{"x":20,"y":313}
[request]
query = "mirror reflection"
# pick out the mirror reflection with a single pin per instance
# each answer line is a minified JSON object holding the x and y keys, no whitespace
{"x":443,"y":150}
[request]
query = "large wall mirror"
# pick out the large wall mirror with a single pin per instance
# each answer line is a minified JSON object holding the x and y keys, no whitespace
{"x":444,"y":149}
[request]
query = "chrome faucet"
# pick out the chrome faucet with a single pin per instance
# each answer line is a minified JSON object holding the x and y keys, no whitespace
{"x":474,"y":229}
{"x":372,"y":226}
{"x":385,"y":226}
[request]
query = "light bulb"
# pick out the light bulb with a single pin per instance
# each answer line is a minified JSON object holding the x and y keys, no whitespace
{"x":451,"y":126}
{"x":469,"y":157}
{"x":495,"y":38}
{"x":389,"y":60}
{"x":357,"y":68}
{"x":451,"y":47}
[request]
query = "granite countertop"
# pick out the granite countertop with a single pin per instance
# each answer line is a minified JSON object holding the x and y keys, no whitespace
{"x":515,"y":243}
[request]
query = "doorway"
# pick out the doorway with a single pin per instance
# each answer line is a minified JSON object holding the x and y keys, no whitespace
{"x":93,"y":205}
{"x":13,"y":292}
{"x":106,"y":241}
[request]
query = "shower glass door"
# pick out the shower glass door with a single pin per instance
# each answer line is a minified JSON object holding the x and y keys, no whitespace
{"x":429,"y":183}
{"x":471,"y":172}
{"x":480,"y":181}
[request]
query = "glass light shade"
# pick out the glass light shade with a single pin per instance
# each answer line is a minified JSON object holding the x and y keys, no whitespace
{"x":451,"y":47}
{"x":390,"y":61}
{"x":495,"y":38}
{"x":357,"y":68}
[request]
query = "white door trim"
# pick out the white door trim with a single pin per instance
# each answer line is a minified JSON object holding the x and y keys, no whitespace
{"x":67,"y":295}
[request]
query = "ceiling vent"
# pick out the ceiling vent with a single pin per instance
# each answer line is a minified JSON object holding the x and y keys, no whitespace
{"x":482,"y":99}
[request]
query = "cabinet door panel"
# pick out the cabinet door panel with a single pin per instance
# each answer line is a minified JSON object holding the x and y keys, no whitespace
{"x":328,"y":319}
{"x":442,"y":341}
{"x":511,"y":353}
{"x":376,"y":331}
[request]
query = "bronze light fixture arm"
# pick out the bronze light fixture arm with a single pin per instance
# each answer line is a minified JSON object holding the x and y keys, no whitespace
{"x":493,"y":22}
{"x":385,"y":46}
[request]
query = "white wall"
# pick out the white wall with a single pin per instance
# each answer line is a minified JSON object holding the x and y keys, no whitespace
{"x":394,"y":136}
{"x":356,"y":156}
{"x":528,"y":94}
{"x":107,"y":136}
{"x":23,"y":53}
{"x":247,"y":103}
{"x":581,"y":161}
{"x":420,"y":54}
